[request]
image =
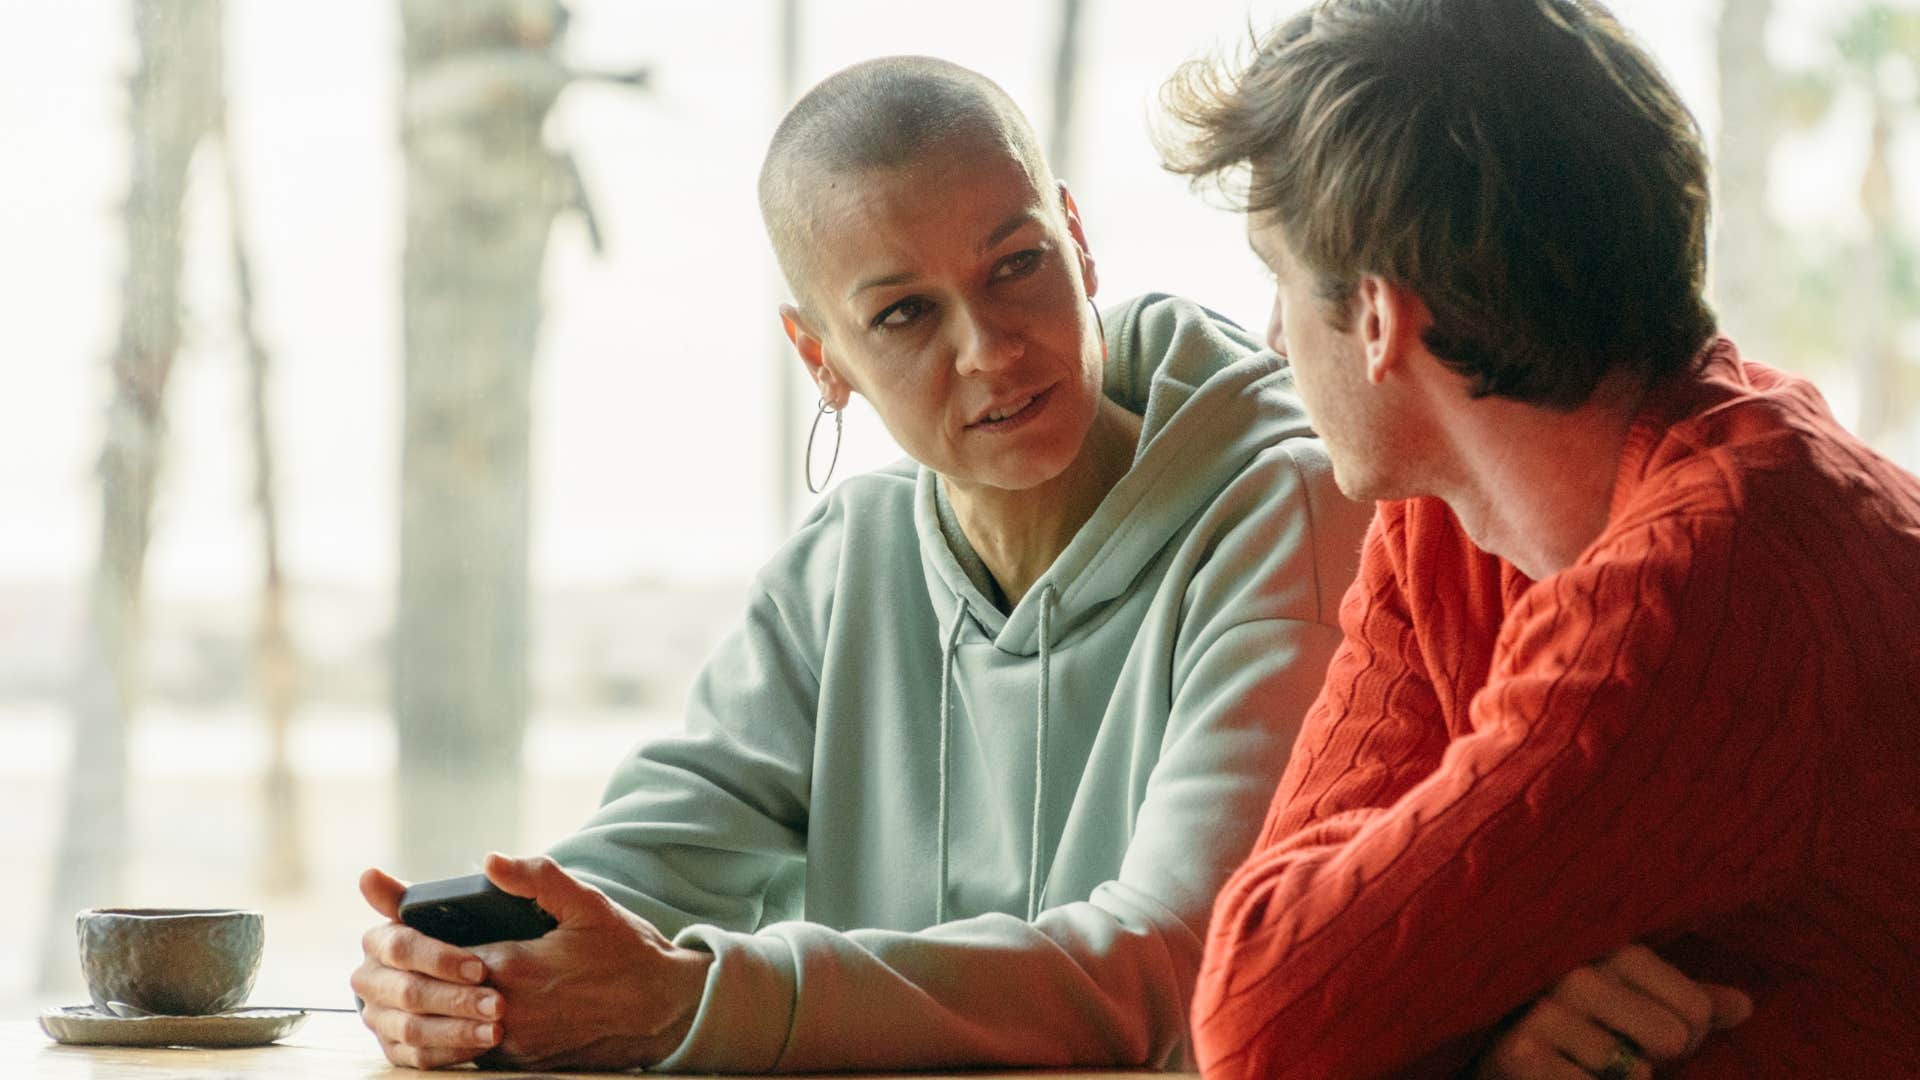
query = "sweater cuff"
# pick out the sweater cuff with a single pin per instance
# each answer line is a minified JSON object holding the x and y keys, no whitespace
{"x":746,"y":1010}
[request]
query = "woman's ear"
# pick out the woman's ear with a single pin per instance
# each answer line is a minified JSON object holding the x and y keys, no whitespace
{"x":1089,"y":274}
{"x":812,"y":349}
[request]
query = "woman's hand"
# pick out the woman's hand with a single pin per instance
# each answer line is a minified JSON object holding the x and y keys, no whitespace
{"x":1614,"y":1019}
{"x":422,"y":998}
{"x":602,"y":990}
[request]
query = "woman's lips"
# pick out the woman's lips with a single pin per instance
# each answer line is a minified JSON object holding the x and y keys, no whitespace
{"x":1018,"y":419}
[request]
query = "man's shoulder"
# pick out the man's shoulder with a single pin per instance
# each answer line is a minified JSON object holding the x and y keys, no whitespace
{"x":1760,"y":457}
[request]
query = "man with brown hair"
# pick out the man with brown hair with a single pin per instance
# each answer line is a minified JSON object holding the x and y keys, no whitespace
{"x":1633,"y":653}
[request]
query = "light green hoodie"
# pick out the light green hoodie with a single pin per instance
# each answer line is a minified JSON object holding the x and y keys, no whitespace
{"x":915,"y":831}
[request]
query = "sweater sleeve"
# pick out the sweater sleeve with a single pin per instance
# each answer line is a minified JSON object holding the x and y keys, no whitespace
{"x":1632,"y":766}
{"x":1103,"y":981}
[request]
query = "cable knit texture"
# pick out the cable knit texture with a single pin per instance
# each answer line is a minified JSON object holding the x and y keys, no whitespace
{"x":1704,"y":735}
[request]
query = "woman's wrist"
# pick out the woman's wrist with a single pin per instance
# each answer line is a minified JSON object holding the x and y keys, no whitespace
{"x":687,"y":975}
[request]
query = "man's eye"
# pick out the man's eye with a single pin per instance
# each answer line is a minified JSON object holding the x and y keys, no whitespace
{"x":1018,"y":264}
{"x":900,"y":313}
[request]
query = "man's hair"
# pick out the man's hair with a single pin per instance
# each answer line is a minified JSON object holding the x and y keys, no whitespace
{"x":1521,"y":165}
{"x":880,"y":114}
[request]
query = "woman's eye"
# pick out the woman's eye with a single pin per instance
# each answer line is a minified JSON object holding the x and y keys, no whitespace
{"x":1018,"y":264}
{"x":900,"y":313}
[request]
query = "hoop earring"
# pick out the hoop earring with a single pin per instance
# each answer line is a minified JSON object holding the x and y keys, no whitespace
{"x":825,"y":409}
{"x":1097,"y":321}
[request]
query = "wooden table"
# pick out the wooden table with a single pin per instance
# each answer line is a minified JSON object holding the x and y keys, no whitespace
{"x":329,"y":1046}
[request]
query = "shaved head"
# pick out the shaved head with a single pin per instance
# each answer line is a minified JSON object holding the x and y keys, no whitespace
{"x":882,"y":114}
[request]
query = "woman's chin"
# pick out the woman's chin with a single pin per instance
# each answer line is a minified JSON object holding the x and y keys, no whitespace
{"x":1021,"y":472}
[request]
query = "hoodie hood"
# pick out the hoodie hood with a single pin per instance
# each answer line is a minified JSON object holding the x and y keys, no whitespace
{"x":1209,"y":397}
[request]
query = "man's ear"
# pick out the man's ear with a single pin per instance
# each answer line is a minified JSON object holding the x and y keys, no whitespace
{"x":1390,"y":319}
{"x":1089,"y":275}
{"x":812,"y":349}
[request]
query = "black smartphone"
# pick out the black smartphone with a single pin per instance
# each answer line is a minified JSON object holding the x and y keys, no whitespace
{"x":471,"y":910}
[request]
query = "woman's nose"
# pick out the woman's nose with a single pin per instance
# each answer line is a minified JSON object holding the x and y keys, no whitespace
{"x":990,"y":345}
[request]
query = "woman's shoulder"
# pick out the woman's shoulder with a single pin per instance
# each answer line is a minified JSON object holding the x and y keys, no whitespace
{"x":1279,"y":526}
{"x":863,"y":523}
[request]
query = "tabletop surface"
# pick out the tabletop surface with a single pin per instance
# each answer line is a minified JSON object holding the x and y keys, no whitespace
{"x":329,"y":1046}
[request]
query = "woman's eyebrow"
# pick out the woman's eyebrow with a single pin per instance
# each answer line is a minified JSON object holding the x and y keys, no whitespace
{"x":1000,"y":232}
{"x":1007,"y":228}
{"x":900,"y":278}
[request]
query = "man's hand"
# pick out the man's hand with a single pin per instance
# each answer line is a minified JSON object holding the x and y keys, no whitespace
{"x":422,"y":998}
{"x":603,"y":990}
{"x":1574,"y":1032}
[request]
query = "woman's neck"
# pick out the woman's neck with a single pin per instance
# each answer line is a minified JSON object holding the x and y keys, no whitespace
{"x":1018,"y":534}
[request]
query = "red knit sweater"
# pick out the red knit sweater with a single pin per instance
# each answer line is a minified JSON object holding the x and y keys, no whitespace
{"x":1704,"y":735}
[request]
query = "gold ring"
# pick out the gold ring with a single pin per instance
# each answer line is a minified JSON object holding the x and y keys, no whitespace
{"x":1625,"y":1056}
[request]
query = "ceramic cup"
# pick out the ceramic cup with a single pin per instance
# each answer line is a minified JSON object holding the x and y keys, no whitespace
{"x":178,"y":961}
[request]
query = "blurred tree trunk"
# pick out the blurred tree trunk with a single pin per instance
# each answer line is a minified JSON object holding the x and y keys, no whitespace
{"x":1876,"y":56}
{"x":1880,"y":54}
{"x":482,"y":190}
{"x":174,"y":99}
{"x":787,"y":440}
{"x":1748,"y":247}
{"x":276,"y":663}
{"x":1882,"y":408}
{"x":1066,"y":85}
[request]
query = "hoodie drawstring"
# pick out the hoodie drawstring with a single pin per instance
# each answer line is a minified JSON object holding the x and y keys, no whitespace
{"x":946,"y":730}
{"x":1048,"y":598}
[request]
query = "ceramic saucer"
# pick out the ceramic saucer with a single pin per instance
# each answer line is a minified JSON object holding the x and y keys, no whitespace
{"x":85,"y":1025}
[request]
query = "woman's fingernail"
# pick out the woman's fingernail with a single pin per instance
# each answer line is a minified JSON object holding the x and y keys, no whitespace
{"x":490,"y":1005}
{"x":486,"y":1033}
{"x":472,"y":971}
